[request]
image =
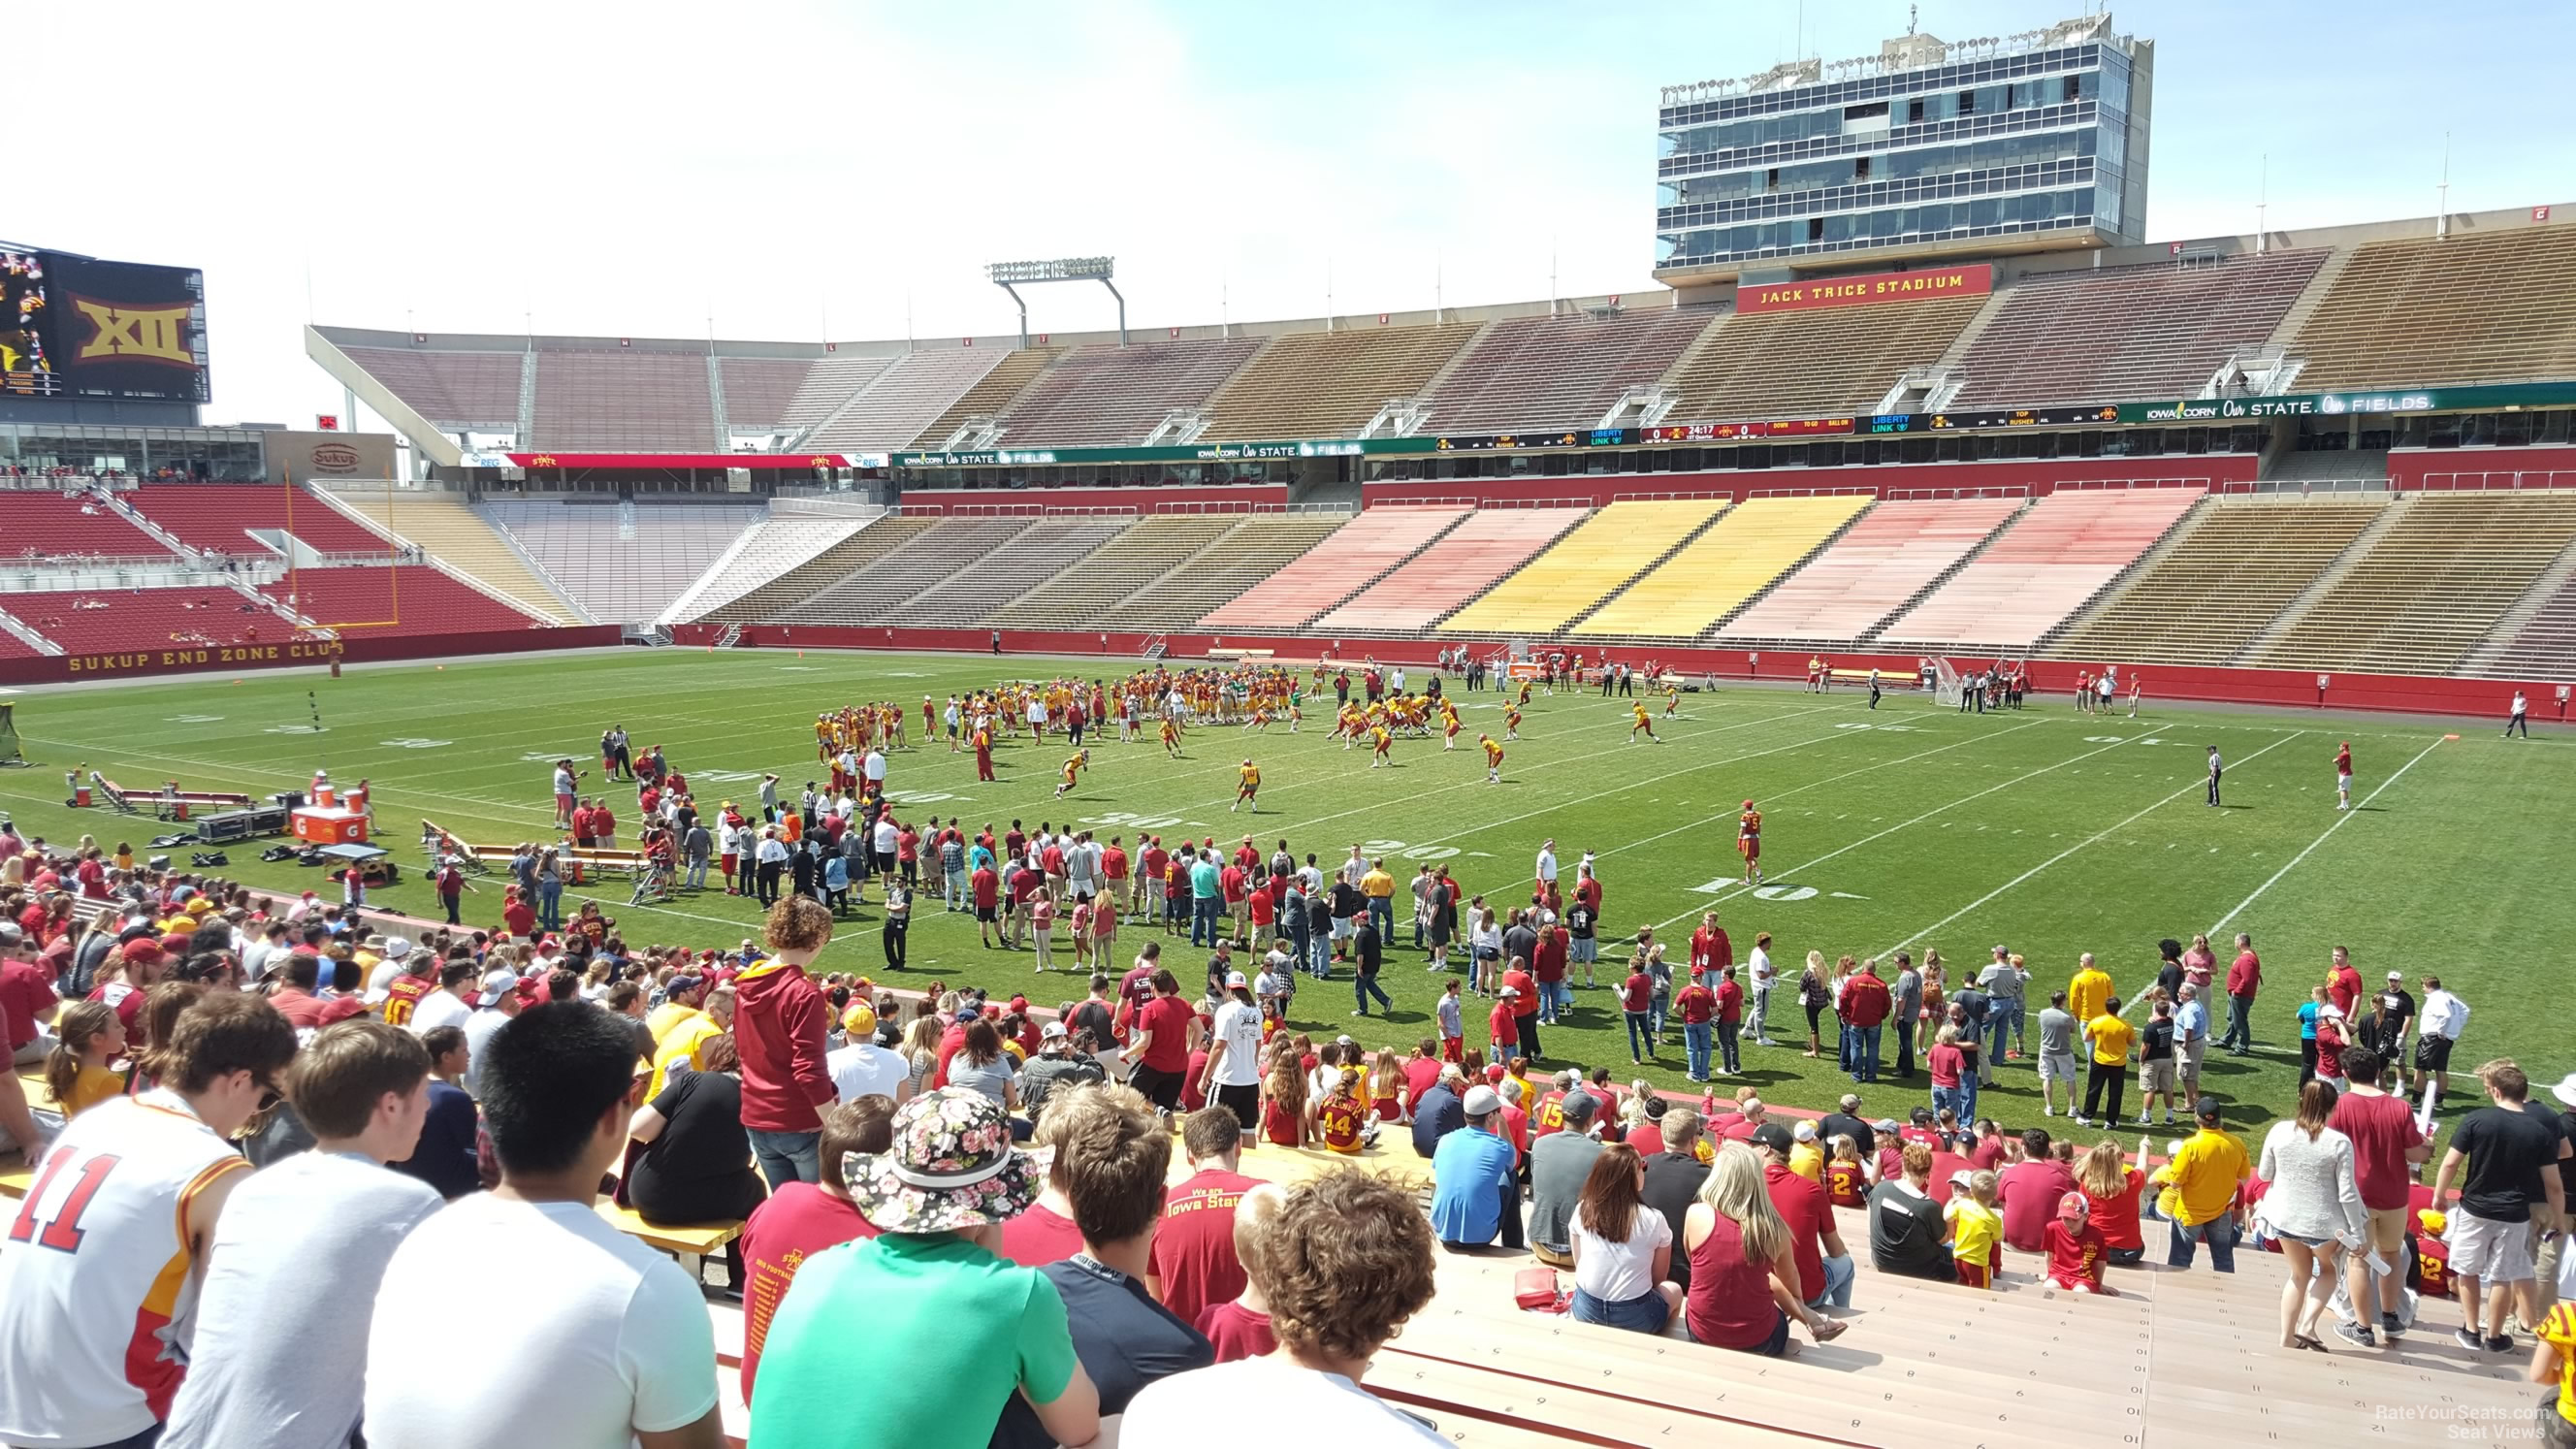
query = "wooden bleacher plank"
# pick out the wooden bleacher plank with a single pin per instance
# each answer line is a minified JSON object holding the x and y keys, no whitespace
{"x":17,"y":1175}
{"x":700,"y":1239}
{"x":1456,"y":1395}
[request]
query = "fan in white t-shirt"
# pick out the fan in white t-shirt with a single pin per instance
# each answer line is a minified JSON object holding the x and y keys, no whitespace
{"x":583,"y":1338}
{"x":1329,"y":1325}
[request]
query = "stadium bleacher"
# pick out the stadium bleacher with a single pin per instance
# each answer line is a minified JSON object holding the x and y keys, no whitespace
{"x":760,"y":554}
{"x":380,"y":602}
{"x":87,"y":620}
{"x":1045,"y":548}
{"x":46,"y":525}
{"x":11,"y":646}
{"x":1252,"y":551}
{"x":1357,"y":552}
{"x":458,"y":535}
{"x":2542,"y":646}
{"x":1559,"y":372}
{"x":2435,"y":581}
{"x":1896,"y":550}
{"x":759,"y":391}
{"x":451,"y":389}
{"x":1732,"y":560}
{"x":624,"y":402}
{"x":1101,"y":394}
{"x":1799,"y":364}
{"x":902,"y":398}
{"x":990,"y":394}
{"x":2043,"y":568}
{"x":2127,"y":332}
{"x":221,"y":515}
{"x":1489,"y":544}
{"x":912,"y":568}
{"x":1592,"y":562}
{"x":2234,"y":566}
{"x":1329,"y":384}
{"x":1085,"y":594}
{"x":2467,"y":308}
{"x":829,"y":567}
{"x":624,"y":562}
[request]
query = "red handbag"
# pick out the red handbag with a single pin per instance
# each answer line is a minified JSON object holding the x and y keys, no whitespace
{"x":1535,"y":1290}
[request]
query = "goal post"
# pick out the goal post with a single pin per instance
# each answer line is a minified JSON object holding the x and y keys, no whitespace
{"x":1946,"y":686}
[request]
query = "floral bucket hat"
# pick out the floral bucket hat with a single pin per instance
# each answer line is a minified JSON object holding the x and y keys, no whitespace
{"x":952,"y":1166}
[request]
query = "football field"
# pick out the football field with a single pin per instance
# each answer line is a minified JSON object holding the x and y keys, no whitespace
{"x":1908,"y":826}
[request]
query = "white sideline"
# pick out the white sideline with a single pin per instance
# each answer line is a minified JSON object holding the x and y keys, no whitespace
{"x":2342,"y":819}
{"x":2079,"y":845}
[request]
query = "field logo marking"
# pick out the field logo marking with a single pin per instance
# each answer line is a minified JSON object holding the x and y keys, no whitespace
{"x":415,"y":744}
{"x":193,"y":718}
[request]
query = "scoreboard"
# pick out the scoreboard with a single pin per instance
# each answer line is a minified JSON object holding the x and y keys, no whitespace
{"x":77,"y":327}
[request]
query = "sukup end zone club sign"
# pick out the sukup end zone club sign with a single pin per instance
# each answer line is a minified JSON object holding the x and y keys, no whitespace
{"x":203,"y":656}
{"x":1861,"y":291}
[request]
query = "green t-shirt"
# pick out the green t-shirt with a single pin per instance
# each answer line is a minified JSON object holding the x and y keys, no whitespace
{"x":962,"y":1329}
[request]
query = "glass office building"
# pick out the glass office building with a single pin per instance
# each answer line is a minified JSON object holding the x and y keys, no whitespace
{"x":2038,"y":140}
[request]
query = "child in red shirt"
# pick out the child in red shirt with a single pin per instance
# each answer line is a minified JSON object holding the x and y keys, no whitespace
{"x":2075,"y":1249}
{"x":2432,"y":1255}
{"x":1846,"y":1183}
{"x":1504,"y":1025}
{"x":1241,"y":1329}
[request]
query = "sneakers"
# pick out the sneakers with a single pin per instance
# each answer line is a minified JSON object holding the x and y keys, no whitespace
{"x":2012,"y":1054}
{"x":2356,"y":1335}
{"x":2500,"y":1343}
{"x":2468,"y":1338}
{"x":2391,"y":1324}
{"x":2048,"y":1109}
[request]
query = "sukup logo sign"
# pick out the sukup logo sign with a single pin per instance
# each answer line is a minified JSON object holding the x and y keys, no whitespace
{"x":133,"y":334}
{"x":334,"y":458}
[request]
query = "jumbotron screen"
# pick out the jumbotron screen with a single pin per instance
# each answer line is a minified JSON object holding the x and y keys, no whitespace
{"x":74,"y":326}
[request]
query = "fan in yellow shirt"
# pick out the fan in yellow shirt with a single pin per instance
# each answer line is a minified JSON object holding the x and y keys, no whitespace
{"x":2088,"y":989}
{"x":1976,"y":1230}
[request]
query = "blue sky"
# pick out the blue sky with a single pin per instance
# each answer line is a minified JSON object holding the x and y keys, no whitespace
{"x":632,"y":170}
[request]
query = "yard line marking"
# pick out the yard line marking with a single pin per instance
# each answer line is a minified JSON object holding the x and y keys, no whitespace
{"x":1714,"y":901}
{"x":2079,"y":845}
{"x":2342,"y":819}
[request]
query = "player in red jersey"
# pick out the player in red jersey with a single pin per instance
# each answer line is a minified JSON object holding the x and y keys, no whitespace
{"x":2343,"y":776}
{"x":1748,"y":842}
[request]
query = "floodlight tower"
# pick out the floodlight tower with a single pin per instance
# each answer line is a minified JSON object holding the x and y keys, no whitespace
{"x":1009,"y":276}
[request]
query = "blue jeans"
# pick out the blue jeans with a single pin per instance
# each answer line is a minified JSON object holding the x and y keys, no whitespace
{"x":1844,"y":1052}
{"x":1556,"y":999}
{"x":1381,"y":911}
{"x":786,"y":1157}
{"x":1695,"y":1037}
{"x":1364,"y":986}
{"x":1839,"y":1273}
{"x":1967,"y":1098}
{"x":696,"y":879}
{"x":2240,"y":1025}
{"x":1657,"y":1007}
{"x":1998,"y":1026}
{"x":550,"y":904}
{"x":1728,"y":1035}
{"x":1207,"y":916}
{"x":1951,"y":1099}
{"x":1319,"y":957}
{"x":2219,"y":1232}
{"x":1641,"y":1034}
{"x":1865,"y":1053}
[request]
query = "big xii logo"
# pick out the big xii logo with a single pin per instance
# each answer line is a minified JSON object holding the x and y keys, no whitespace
{"x":134,"y":334}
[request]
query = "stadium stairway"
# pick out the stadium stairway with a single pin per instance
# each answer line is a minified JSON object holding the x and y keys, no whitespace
{"x":1087,"y":594}
{"x":842,"y":560}
{"x":1359,"y":553}
{"x":2430,"y":588}
{"x":2042,"y":570}
{"x":1900,"y":550}
{"x":993,"y":392}
{"x":1046,"y":547}
{"x":1471,"y":558}
{"x":1591,"y":563}
{"x":450,"y":531}
{"x":941,"y":554}
{"x":757,"y":555}
{"x":1241,"y":559}
{"x":20,"y":640}
{"x":1729,"y":565}
{"x":2221,"y":578}
{"x":2536,"y":638}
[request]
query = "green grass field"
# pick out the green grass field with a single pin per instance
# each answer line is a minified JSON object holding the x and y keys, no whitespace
{"x":1911,"y":826}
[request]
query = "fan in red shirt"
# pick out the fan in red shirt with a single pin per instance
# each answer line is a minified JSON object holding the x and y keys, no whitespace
{"x":2032,"y":1189}
{"x":2075,"y":1249}
{"x":1194,"y":1256}
{"x":803,"y":1218}
{"x":1697,"y":1007}
{"x":1503,"y":1025}
{"x":1709,"y":947}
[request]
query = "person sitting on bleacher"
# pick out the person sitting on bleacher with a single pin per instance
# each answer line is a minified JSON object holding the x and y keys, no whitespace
{"x":586,"y":1337}
{"x":279,"y":1357}
{"x":1474,"y":1192}
{"x":1353,"y":1259}
{"x":802,"y":1219}
{"x":974,"y":1331}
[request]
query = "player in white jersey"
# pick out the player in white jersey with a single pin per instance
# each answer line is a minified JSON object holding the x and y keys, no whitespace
{"x":100,"y":1269}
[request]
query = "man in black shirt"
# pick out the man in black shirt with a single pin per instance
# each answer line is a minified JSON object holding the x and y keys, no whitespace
{"x":2156,"y":1068}
{"x":1846,"y":1122}
{"x":2508,"y":1150}
{"x":1367,"y":954}
{"x":1520,"y":939}
{"x":1673,"y":1178}
{"x":1124,"y":1338}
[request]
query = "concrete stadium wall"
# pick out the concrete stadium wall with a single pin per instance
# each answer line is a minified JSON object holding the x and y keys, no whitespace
{"x":235,"y":658}
{"x":2437,"y":469}
{"x":1909,"y":480}
{"x":2287,"y":688}
{"x":1232,"y":498}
